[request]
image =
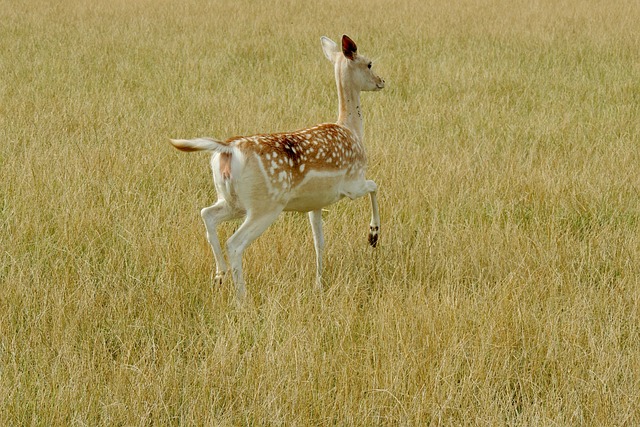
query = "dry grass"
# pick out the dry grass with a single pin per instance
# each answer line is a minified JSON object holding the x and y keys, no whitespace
{"x":506,"y":287}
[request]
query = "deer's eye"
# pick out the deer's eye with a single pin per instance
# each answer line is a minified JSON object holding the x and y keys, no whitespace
{"x":369,"y":65}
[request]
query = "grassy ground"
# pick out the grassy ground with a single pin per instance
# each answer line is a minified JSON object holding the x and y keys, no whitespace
{"x":506,"y":286}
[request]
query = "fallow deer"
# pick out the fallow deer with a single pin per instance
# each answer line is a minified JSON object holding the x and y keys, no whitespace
{"x":258,"y":177}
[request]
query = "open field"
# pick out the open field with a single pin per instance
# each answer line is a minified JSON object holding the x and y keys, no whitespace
{"x":506,"y":286}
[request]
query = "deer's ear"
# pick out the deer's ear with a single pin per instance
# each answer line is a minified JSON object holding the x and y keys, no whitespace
{"x":329,"y":47}
{"x":349,"y":48}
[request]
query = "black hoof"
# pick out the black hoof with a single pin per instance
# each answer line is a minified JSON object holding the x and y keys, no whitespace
{"x":373,"y":236}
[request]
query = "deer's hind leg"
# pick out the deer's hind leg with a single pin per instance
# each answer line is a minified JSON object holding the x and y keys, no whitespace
{"x":212,"y":216}
{"x":253,"y":226}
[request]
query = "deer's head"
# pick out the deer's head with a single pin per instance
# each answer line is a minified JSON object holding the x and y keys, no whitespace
{"x":351,"y":68}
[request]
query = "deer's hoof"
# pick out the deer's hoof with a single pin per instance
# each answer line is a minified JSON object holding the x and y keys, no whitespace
{"x":373,"y":235}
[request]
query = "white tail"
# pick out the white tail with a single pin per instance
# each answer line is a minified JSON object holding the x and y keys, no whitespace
{"x":260,"y":176}
{"x":201,"y":144}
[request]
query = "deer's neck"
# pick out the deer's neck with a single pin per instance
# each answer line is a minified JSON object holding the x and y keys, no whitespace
{"x":349,"y":110}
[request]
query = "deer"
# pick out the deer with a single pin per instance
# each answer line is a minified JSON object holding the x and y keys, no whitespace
{"x":258,"y":177}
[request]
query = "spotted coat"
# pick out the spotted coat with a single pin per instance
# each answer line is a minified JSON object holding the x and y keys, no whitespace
{"x":286,"y":158}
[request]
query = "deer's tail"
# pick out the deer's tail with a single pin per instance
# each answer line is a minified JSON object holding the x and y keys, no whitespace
{"x":202,"y":144}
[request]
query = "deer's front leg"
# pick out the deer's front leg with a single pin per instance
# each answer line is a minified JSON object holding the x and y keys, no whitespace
{"x":315,"y":218}
{"x":374,"y":226}
{"x":360,"y":189}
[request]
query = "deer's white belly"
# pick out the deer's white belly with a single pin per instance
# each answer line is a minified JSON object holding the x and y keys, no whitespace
{"x":317,"y":190}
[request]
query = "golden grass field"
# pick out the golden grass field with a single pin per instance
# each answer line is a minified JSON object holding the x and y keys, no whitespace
{"x":506,"y":286}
